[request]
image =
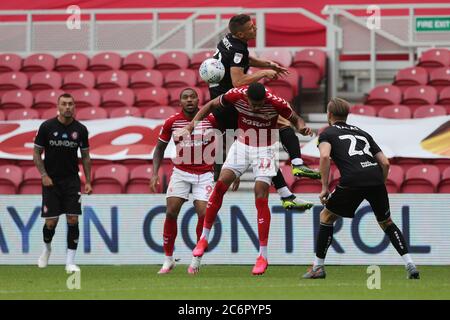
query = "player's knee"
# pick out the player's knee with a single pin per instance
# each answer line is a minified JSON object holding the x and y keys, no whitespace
{"x":72,"y":219}
{"x":327,"y":217}
{"x":386,"y":223}
{"x":51,"y":223}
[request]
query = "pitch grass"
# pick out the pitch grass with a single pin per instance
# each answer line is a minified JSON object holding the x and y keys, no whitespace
{"x":220,"y":282}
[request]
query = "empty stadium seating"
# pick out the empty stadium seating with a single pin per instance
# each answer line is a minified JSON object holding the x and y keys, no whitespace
{"x":110,"y":178}
{"x":10,"y":62}
{"x":395,"y":112}
{"x":409,"y":77}
{"x":384,"y":95}
{"x":10,"y":178}
{"x":364,"y":110}
{"x":421,"y":179}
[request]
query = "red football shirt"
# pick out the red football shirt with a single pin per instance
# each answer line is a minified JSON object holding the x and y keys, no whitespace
{"x":256,"y":123}
{"x":195,"y":154}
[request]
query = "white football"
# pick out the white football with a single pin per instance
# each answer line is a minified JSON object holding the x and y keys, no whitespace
{"x":211,"y":70}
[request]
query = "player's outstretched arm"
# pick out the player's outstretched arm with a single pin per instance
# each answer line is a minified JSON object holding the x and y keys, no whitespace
{"x":86,"y":162}
{"x":39,"y":163}
{"x":263,"y":63}
{"x":157,"y":158}
{"x":239,"y":78}
{"x":324,"y":167}
{"x":383,"y":161}
{"x":300,"y":124}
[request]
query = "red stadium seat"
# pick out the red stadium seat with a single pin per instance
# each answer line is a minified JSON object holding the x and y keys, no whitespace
{"x":429,"y":111}
{"x":78,"y":80}
{"x":419,"y":95}
{"x":444,"y":97}
{"x":119,"y":97}
{"x":71,"y":62}
{"x":32,"y":182}
{"x":174,"y":96}
{"x":47,"y":99}
{"x":10,"y":62}
{"x":13,"y":81}
{"x":395,"y":179}
{"x":421,"y":179}
{"x":105,"y":61}
{"x":311,"y":67}
{"x":435,"y":58}
{"x":180,"y":78}
{"x":440,"y":78}
{"x":198,"y":58}
{"x":442,"y":164}
{"x":10,"y":178}
{"x":395,"y":112}
{"x":111,"y":79}
{"x":45,"y":80}
{"x":91,"y":113}
{"x":172,"y":60}
{"x":444,"y":185}
{"x":140,"y":178}
{"x":125,"y":112}
{"x":23,"y":114}
{"x":86,"y":98}
{"x":110,"y":179}
{"x":49,"y":113}
{"x":159,"y":112}
{"x":285,"y":87}
{"x":16,"y":99}
{"x":152,"y":97}
{"x":38,"y":62}
{"x":146,"y":79}
{"x":384,"y":95}
{"x":2,"y":116}
{"x":407,"y":163}
{"x":140,"y":60}
{"x":409,"y":77}
{"x":281,"y":56}
{"x":364,"y":110}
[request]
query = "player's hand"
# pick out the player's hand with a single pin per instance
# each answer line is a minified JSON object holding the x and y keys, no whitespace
{"x":236,"y":184}
{"x":271,"y":74}
{"x":278,"y":68}
{"x":324,"y":196}
{"x":183,"y":132}
{"x":305,"y":131}
{"x":154,"y":182}
{"x":47,"y":181}
{"x":88,"y":188}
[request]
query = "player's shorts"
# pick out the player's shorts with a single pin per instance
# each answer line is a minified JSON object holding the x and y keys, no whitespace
{"x":63,"y":198}
{"x":181,"y":183}
{"x":344,"y":201}
{"x":263,"y":161}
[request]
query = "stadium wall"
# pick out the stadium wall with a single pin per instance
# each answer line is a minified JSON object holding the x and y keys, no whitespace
{"x":127,"y":229}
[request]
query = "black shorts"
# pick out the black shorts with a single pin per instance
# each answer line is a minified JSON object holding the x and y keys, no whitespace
{"x":344,"y":201}
{"x":63,"y":198}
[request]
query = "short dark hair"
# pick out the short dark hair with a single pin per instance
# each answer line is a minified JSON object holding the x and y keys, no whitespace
{"x":237,"y":22}
{"x":339,"y":108}
{"x":189,"y":88}
{"x":256,"y":91}
{"x":66,"y":95}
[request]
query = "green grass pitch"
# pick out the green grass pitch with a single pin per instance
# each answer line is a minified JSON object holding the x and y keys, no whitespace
{"x":220,"y":282}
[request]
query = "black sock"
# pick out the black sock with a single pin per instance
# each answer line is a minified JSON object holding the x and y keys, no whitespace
{"x":324,"y":240}
{"x":48,"y":234}
{"x":397,"y":240}
{"x":73,"y":233}
{"x":278,"y":181}
{"x":290,"y":142}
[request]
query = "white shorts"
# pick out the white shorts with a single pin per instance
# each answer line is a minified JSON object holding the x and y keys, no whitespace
{"x":181,"y":182}
{"x":263,"y":160}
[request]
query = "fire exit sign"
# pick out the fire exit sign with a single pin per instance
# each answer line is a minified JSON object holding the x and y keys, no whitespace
{"x":432,"y":24}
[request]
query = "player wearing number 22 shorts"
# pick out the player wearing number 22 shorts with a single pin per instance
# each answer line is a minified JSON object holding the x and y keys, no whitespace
{"x":193,"y":169}
{"x":256,"y":146}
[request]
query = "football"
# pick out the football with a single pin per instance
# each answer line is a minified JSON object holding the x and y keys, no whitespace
{"x":211,"y":70}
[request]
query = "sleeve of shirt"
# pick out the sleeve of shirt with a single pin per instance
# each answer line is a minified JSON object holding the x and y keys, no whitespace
{"x":324,"y":137}
{"x":230,"y":97}
{"x":166,"y":131}
{"x":282,"y":107}
{"x":239,"y":59}
{"x":84,"y":143}
{"x":374,"y":148}
{"x":40,"y":139}
{"x":212,"y":120}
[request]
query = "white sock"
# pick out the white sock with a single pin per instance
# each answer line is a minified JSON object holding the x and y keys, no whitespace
{"x":263,"y":251}
{"x":297,"y":161}
{"x":205,"y":233}
{"x":318,"y":262}
{"x":284,"y":192}
{"x":407,"y":258}
{"x":70,"y":256}
{"x":169,"y":258}
{"x":48,"y":246}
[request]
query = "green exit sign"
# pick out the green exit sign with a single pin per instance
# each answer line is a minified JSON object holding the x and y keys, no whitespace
{"x":432,"y":24}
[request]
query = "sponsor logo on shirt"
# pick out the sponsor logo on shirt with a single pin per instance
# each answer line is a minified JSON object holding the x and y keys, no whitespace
{"x":63,"y":143}
{"x":256,"y":123}
{"x":237,"y":57}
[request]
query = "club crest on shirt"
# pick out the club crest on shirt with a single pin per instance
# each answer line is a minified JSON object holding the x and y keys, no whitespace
{"x":55,"y":133}
{"x":74,"y":135}
{"x":237,"y":57}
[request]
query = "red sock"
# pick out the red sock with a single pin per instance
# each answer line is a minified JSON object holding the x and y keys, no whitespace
{"x":169,"y":236}
{"x":199,"y":228}
{"x":214,"y":204}
{"x":262,"y":205}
